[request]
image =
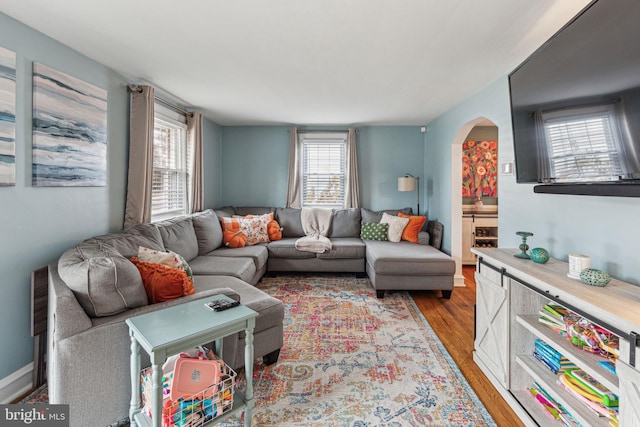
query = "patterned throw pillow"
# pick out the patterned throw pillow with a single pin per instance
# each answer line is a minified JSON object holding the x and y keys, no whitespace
{"x":255,"y":227}
{"x":169,"y":258}
{"x":396,"y":226}
{"x":371,"y":231}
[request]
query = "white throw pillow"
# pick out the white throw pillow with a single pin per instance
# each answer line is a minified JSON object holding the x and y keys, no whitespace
{"x":169,"y":258}
{"x":396,"y":226}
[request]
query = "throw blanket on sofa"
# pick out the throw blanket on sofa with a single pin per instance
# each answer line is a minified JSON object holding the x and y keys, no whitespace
{"x":315,"y":223}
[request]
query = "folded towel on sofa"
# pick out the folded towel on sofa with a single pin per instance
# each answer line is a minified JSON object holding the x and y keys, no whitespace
{"x":315,"y":223}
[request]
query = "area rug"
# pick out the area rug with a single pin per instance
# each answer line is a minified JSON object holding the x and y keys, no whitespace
{"x":351,"y":359}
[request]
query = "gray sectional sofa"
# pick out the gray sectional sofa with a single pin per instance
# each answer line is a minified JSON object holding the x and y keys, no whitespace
{"x":390,"y":266}
{"x":94,"y":288}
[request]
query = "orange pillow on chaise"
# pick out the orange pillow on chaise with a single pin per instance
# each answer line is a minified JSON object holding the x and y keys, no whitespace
{"x":410,"y":233}
{"x":163,"y":283}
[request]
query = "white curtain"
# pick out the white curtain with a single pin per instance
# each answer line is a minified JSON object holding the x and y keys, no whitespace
{"x":140,"y":178}
{"x":194,"y":139}
{"x":352,"y":189}
{"x":294,"y":198}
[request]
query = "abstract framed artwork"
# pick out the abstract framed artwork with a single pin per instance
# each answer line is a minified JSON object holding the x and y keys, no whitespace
{"x":479,"y":169}
{"x":69,"y":130}
{"x":7,"y":117}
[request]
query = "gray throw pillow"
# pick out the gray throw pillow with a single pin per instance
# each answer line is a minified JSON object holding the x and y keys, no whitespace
{"x":208,"y":231}
{"x":179,"y":236}
{"x":291,"y":222}
{"x":104,"y":282}
{"x":345,"y":223}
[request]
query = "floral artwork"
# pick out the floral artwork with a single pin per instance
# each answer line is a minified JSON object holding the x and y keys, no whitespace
{"x":479,"y":169}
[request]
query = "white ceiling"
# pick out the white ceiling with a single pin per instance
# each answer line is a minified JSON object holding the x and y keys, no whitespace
{"x":305,"y":62}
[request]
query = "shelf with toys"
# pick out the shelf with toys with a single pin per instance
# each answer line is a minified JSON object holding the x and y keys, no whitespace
{"x":565,"y":396}
{"x":589,"y":362}
{"x":575,"y":367}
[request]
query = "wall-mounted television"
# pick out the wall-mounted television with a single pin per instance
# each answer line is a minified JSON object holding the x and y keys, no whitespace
{"x":575,"y":105}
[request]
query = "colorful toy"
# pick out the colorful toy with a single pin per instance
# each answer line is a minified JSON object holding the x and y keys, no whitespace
{"x":210,"y":408}
{"x":590,"y":388}
{"x":186,"y":410}
{"x":592,"y":338}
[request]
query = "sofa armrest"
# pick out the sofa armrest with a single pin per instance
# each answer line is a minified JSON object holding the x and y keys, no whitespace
{"x":121,"y":317}
{"x":66,"y":316}
{"x":436,"y":232}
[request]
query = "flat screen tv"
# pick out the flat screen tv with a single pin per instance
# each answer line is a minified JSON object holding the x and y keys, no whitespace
{"x":575,"y":105}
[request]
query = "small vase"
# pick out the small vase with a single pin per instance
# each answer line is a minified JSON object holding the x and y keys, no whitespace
{"x":478,"y":203}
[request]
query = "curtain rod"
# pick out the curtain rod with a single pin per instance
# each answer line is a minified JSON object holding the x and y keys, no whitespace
{"x":136,"y":88}
{"x":322,"y":131}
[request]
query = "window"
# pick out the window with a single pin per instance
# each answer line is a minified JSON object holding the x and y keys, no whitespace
{"x":170,"y":165}
{"x":583,"y":143}
{"x":324,"y":169}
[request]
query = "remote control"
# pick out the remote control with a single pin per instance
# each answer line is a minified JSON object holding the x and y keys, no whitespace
{"x":221,"y":305}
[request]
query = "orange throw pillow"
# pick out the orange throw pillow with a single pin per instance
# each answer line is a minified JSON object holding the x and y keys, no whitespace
{"x":274,"y":230}
{"x":234,"y":239}
{"x":163,"y":283}
{"x":410,"y":233}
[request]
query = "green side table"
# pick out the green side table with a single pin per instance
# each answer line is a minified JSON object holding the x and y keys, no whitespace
{"x":171,"y":330}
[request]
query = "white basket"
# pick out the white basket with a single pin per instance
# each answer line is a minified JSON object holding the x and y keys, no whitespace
{"x":196,"y":410}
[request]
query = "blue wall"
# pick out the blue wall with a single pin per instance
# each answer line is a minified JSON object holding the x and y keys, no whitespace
{"x":256,"y":160}
{"x":39,"y":223}
{"x":212,"y":161}
{"x":605,"y":228}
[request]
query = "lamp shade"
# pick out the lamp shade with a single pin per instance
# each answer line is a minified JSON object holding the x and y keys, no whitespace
{"x":406,"y":183}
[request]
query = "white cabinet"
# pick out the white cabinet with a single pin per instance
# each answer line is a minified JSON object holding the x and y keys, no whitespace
{"x":523,"y":288}
{"x":468,"y":257}
{"x":478,"y":231}
{"x":629,"y":394}
{"x":492,"y":324}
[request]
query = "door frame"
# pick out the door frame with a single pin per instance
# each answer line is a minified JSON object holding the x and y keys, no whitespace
{"x":456,"y":195}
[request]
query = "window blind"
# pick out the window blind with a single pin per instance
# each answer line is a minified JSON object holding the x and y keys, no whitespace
{"x":324,"y":171}
{"x":583,"y":144}
{"x":170,"y":170}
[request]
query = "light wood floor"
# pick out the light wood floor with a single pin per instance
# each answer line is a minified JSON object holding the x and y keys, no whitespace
{"x":453,"y":320}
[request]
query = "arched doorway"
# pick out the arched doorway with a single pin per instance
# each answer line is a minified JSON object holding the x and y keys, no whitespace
{"x":456,"y":192}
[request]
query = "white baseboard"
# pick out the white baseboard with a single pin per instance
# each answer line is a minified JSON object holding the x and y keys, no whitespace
{"x":458,"y":280}
{"x":16,"y":384}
